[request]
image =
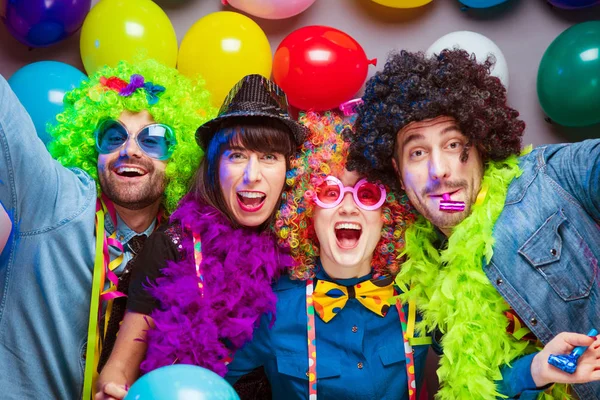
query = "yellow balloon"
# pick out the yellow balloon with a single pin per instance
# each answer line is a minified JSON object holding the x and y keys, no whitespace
{"x":116,"y":30}
{"x":402,"y":3}
{"x":223,"y":47}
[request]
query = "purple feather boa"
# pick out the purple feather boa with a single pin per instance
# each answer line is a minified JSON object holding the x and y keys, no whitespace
{"x":239,"y":266}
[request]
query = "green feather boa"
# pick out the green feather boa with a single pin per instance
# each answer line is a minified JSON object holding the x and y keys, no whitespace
{"x":455,"y":296}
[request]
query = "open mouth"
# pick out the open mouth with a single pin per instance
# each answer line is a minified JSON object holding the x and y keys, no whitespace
{"x":251,"y":201}
{"x":130,"y":172}
{"x":347,"y":234}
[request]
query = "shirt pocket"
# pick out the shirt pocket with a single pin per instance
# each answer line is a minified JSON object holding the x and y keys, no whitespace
{"x":296,"y":366}
{"x":559,"y":253}
{"x":396,"y":353}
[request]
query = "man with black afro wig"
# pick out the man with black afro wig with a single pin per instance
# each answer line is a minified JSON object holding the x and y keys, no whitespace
{"x":503,"y":259}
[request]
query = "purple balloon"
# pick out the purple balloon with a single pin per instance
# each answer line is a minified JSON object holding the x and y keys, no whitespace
{"x":573,"y":4}
{"x":41,"y":23}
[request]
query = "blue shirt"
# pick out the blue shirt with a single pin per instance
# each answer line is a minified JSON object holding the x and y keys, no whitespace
{"x":360,"y":355}
{"x":46,"y":266}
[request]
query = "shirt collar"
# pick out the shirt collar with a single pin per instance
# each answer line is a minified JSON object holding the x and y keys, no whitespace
{"x":322,"y":275}
{"x":125,"y":233}
{"x":441,"y":241}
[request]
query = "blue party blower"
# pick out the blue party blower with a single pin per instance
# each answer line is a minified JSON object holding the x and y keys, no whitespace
{"x":568,"y":362}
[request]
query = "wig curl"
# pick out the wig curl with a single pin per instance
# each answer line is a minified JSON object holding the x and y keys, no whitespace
{"x":184,"y":105}
{"x":413,"y":87}
{"x":325,"y":153}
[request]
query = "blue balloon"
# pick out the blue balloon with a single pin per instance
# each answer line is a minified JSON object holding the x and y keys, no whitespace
{"x":181,"y":382}
{"x":482,"y":3}
{"x":41,"y":23}
{"x":41,"y":87}
{"x":573,"y":4}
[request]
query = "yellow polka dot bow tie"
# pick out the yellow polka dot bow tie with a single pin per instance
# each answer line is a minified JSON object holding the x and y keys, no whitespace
{"x":329,"y":298}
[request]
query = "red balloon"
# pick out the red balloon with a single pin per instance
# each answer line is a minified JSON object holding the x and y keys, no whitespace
{"x":320,"y":67}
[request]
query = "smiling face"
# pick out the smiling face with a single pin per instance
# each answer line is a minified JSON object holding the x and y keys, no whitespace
{"x":428,"y":162}
{"x":128,"y":176}
{"x":347,"y":234}
{"x":251,"y":183}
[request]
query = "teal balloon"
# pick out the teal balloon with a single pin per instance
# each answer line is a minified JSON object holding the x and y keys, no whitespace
{"x":181,"y":382}
{"x":568,"y":81}
{"x":41,"y":87}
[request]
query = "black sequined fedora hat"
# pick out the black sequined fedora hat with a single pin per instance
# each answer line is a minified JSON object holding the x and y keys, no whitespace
{"x":253,"y":96}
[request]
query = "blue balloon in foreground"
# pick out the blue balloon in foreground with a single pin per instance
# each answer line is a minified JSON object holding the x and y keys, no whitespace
{"x":181,"y":382}
{"x":482,"y":3}
{"x":41,"y":87}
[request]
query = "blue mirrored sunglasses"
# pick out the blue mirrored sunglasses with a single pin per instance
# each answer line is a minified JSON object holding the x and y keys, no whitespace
{"x":156,"y":140}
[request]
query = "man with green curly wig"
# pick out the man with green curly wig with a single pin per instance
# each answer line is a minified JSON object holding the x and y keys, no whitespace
{"x":124,"y":151}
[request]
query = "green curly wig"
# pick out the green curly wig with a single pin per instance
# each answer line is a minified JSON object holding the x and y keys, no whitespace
{"x":184,"y":106}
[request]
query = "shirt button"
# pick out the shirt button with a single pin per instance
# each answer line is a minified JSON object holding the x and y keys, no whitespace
{"x":360,"y":365}
{"x":533,"y":321}
{"x":553,"y":252}
{"x":354,"y":329}
{"x":499,"y":281}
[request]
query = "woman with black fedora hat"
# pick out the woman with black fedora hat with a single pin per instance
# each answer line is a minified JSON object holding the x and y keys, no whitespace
{"x":205,"y":278}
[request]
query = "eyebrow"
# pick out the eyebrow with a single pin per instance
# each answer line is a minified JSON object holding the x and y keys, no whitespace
{"x":127,"y":128}
{"x":234,"y":148}
{"x":451,"y":128}
{"x":410,"y":138}
{"x":417,"y":136}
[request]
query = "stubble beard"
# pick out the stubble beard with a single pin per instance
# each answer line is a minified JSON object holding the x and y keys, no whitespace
{"x":441,"y":219}
{"x":134,"y":197}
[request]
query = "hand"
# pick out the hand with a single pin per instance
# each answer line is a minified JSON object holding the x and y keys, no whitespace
{"x":111,"y":391}
{"x":588,"y":366}
{"x":111,"y":384}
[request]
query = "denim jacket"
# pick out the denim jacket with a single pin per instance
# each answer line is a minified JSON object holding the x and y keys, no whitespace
{"x":46,"y":266}
{"x":547,"y":244}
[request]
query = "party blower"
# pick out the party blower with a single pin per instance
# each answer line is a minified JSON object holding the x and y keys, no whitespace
{"x":349,"y":107}
{"x":568,"y":362}
{"x":451,"y":206}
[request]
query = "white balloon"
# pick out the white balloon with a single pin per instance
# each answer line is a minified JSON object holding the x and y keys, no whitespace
{"x":476,"y":43}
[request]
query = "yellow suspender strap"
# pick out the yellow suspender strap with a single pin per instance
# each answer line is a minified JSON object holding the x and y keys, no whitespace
{"x":410,"y":326}
{"x":92,"y":351}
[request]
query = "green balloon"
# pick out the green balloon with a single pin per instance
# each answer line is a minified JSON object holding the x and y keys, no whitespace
{"x":568,"y":82}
